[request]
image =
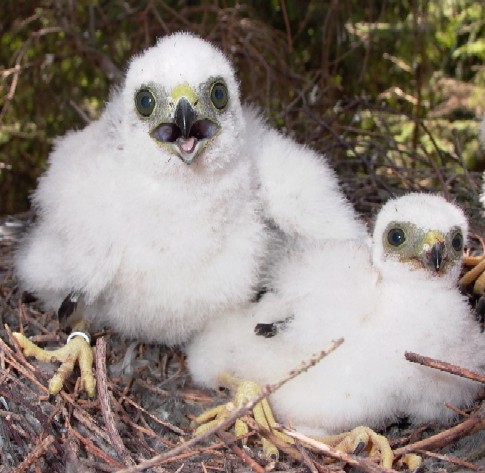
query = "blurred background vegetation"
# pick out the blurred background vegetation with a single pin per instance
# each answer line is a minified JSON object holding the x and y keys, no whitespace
{"x":391,"y":91}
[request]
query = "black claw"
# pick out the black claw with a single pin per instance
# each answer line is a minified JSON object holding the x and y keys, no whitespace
{"x":68,"y":305}
{"x":27,"y":297}
{"x":270,"y":330}
{"x":266,"y":330}
{"x":420,"y":469}
{"x":52,"y":398}
{"x":360,"y":448}
{"x":259,"y":295}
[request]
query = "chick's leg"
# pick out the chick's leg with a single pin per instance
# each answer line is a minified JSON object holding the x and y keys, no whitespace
{"x":77,"y":349}
{"x":244,"y":391}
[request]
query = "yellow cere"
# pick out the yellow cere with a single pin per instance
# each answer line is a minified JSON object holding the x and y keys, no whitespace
{"x":184,"y":90}
{"x":431,"y":238}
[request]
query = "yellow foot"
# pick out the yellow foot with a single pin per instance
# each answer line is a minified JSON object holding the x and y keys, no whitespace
{"x":244,"y":391}
{"x":362,"y":438}
{"x":77,"y":349}
{"x":410,"y":461}
{"x":476,"y":275}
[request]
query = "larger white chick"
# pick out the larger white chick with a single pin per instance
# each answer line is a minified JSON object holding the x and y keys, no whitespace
{"x":156,"y":216}
{"x":398,"y":294}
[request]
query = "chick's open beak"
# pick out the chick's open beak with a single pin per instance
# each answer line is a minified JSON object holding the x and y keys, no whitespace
{"x":188,"y":134}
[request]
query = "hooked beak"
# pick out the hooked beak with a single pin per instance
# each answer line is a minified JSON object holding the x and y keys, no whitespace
{"x":434,"y":253}
{"x":184,"y":116}
{"x":187,"y":136}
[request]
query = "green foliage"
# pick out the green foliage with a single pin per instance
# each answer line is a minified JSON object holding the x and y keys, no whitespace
{"x":391,"y":90}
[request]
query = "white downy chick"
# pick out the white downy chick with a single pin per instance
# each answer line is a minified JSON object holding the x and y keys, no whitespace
{"x":397,"y":295}
{"x":157,"y":213}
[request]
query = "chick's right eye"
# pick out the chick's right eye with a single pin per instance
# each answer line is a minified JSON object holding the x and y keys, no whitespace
{"x":145,"y":102}
{"x":396,"y":237}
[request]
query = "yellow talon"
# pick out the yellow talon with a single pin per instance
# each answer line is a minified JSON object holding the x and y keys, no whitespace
{"x":77,"y":349}
{"x":244,"y":391}
{"x":348,"y":442}
{"x":411,"y":461}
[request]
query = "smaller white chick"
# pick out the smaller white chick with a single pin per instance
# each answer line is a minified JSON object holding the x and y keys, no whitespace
{"x":398,"y":294}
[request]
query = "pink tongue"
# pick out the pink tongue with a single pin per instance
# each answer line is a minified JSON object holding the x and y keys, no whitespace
{"x":187,"y":144}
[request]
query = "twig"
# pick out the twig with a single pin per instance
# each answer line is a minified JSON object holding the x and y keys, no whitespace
{"x":71,"y":459}
{"x":103,"y":395}
{"x":443,"y":366}
{"x":94,"y":450}
{"x":471,"y":425}
{"x":306,"y":458}
{"x":265,"y":391}
{"x":231,"y":442}
{"x":35,"y":454}
{"x":450,"y":459}
{"x":274,"y":439}
{"x":163,"y":423}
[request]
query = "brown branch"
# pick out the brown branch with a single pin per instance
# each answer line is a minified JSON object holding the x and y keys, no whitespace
{"x":443,"y":366}
{"x":103,"y":395}
{"x":231,"y":440}
{"x":35,"y":454}
{"x":471,"y":425}
{"x":450,"y":459}
{"x":94,"y":450}
{"x":274,"y":439}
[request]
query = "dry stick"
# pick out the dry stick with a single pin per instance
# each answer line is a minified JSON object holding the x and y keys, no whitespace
{"x":165,"y":424}
{"x":363,"y":463}
{"x":265,"y":391}
{"x":471,"y":425}
{"x":35,"y":454}
{"x":279,"y":443}
{"x":103,"y":394}
{"x":306,"y":458}
{"x":443,"y":366}
{"x":71,"y":458}
{"x":94,"y":450}
{"x":19,"y":362}
{"x":450,"y":459}
{"x":231,"y":442}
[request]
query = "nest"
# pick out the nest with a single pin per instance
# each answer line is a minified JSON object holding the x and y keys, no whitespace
{"x":141,"y":417}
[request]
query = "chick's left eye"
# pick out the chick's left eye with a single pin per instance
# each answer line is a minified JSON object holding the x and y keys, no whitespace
{"x":457,"y":242}
{"x":396,"y":237}
{"x":219,"y":95}
{"x":145,"y":102}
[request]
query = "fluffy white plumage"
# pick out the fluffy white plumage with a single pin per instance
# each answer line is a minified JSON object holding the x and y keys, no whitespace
{"x":157,"y":212}
{"x":381,"y":304}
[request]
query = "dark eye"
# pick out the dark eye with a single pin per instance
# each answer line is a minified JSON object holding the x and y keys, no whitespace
{"x":145,"y":102}
{"x":396,"y":237}
{"x":457,"y":241}
{"x":219,"y":95}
